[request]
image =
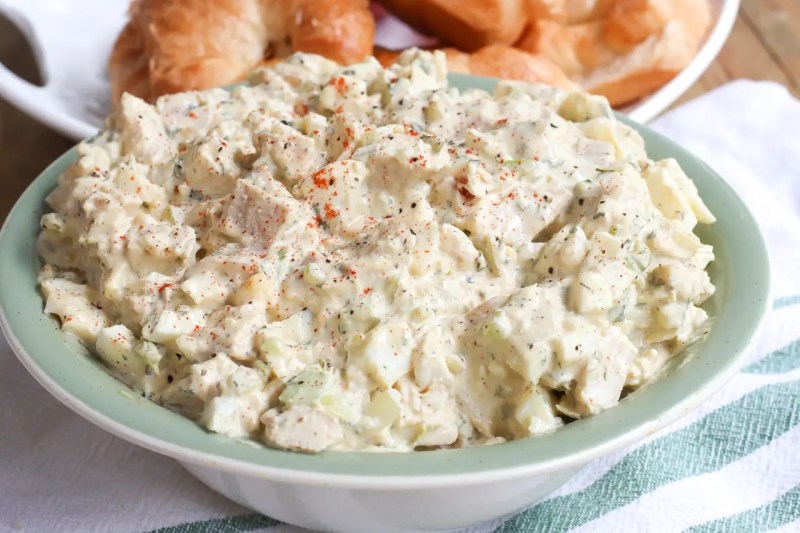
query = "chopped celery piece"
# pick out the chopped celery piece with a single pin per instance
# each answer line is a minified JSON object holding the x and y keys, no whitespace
{"x":313,"y":274}
{"x":498,"y":327}
{"x":149,"y":354}
{"x":273,"y":346}
{"x":308,"y":387}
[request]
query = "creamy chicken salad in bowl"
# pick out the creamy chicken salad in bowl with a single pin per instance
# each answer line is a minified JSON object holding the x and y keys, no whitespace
{"x":338,"y":260}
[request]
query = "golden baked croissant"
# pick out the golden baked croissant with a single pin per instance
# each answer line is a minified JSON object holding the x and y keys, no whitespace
{"x":466,"y":24}
{"x":341,"y":30}
{"x":177,"y":45}
{"x":636,"y":48}
{"x":568,"y":11}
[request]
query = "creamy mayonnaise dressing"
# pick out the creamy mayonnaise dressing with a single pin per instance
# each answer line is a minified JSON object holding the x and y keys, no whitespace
{"x":360,"y":258}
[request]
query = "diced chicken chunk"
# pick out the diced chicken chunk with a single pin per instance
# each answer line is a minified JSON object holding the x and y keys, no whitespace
{"x":301,"y":428}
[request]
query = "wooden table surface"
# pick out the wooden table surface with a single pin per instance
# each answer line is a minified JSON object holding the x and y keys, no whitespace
{"x":764,"y":45}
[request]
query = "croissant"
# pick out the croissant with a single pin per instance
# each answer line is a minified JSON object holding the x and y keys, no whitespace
{"x":568,"y":11}
{"x":177,"y":45}
{"x":636,"y":48}
{"x":467,"y":25}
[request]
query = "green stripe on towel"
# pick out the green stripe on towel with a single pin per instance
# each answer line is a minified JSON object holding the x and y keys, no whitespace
{"x":786,"y":301}
{"x":721,"y":437}
{"x":232,"y":524}
{"x":779,"y":512}
{"x":782,"y":360}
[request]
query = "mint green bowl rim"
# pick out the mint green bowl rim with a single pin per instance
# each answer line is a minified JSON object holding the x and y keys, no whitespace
{"x":72,"y":375}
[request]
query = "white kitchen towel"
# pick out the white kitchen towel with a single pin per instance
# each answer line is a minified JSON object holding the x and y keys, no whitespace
{"x":731,"y":465}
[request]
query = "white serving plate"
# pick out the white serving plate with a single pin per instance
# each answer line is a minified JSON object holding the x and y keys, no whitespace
{"x":71,"y":40}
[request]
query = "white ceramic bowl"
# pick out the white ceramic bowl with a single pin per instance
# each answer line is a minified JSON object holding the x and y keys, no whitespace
{"x":72,"y":39}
